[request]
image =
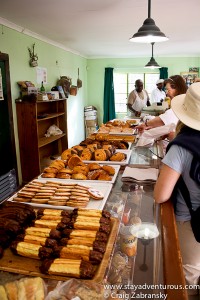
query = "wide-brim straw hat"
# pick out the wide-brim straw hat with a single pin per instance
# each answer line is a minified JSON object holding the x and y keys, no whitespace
{"x":187,"y":106}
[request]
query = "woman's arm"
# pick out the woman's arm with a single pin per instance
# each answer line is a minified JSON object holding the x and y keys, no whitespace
{"x":156,"y":122}
{"x":165,"y":184}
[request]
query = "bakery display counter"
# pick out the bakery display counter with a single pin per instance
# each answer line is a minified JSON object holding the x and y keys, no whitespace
{"x":137,"y":266}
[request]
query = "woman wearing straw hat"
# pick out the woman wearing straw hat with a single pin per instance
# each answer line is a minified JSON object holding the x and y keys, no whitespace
{"x":182,"y":153}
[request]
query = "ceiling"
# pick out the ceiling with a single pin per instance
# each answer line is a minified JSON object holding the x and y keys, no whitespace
{"x":99,"y":29}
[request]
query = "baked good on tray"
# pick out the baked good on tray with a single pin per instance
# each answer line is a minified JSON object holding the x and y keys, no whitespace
{"x":69,"y":243}
{"x":57,"y":193}
{"x":82,"y":171}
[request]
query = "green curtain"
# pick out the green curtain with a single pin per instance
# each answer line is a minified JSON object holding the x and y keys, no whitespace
{"x":163,"y":73}
{"x":109,"y":96}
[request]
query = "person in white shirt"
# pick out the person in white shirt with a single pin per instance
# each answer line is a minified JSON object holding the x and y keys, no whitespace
{"x":158,"y":95}
{"x":175,"y":85}
{"x":137,"y":99}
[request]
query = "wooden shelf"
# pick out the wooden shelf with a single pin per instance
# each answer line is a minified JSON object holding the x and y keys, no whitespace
{"x":47,"y":140}
{"x":53,"y":100}
{"x":34,"y":146}
{"x":50,"y":116}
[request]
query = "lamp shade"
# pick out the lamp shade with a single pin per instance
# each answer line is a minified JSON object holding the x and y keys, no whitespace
{"x":148,"y":33}
{"x":152,"y":64}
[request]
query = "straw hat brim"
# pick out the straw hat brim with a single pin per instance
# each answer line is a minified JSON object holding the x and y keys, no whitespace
{"x":177,"y":105}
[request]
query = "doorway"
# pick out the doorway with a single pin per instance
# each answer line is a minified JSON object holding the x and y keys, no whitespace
{"x":8,"y":165}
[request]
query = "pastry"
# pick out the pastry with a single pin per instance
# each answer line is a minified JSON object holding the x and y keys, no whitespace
{"x":73,"y":161}
{"x":105,"y":177}
{"x":93,"y":175}
{"x":63,"y":175}
{"x":68,"y":267}
{"x":118,"y":157}
{"x":82,"y":187}
{"x":95,"y":194}
{"x":48,"y":175}
{"x":107,"y":147}
{"x":26,"y":249}
{"x":109,"y":169}
{"x":94,"y":166}
{"x":92,"y":147}
{"x":57,"y":203}
{"x":50,"y":170}
{"x":78,"y":148}
{"x":40,"y":200}
{"x":86,"y":154}
{"x":21,"y":199}
{"x":58,"y":164}
{"x":101,"y":137}
{"x":66,"y":171}
{"x":76,"y":203}
{"x":81,"y":169}
{"x":100,"y":155}
{"x":79,"y":176}
{"x":67,"y":154}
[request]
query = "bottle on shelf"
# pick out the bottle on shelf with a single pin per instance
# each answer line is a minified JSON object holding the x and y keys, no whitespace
{"x":42,"y":88}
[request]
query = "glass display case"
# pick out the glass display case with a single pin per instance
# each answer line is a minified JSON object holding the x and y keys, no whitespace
{"x":135,"y":261}
{"x":141,"y":267}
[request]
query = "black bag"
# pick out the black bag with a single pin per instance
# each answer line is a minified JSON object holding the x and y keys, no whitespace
{"x":195,"y":214}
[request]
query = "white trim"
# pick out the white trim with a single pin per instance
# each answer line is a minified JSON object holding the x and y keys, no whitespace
{"x":37,"y":36}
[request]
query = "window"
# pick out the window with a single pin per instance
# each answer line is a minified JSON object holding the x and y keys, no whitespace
{"x":124,"y":83}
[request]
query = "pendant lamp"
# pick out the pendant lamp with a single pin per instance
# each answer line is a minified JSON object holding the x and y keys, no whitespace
{"x":152,"y":64}
{"x":149,"y":32}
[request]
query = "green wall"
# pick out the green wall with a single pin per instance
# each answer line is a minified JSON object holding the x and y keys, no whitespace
{"x":16,"y":44}
{"x":96,"y":68}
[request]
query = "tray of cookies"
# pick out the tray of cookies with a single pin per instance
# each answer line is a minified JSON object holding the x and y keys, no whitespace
{"x":63,"y":195}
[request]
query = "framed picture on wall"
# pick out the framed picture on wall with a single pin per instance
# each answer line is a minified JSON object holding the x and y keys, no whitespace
{"x":189,"y":77}
{"x":194,"y":69}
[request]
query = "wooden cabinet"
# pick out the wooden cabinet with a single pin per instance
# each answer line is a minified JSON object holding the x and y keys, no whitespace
{"x":34,"y":118}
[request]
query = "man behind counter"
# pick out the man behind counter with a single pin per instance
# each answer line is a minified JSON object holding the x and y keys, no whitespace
{"x":137,"y":99}
{"x":158,"y":95}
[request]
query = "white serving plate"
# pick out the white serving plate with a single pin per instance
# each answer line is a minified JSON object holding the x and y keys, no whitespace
{"x":123,"y":133}
{"x":116,"y":167}
{"x":105,"y":188}
{"x":108,"y":162}
{"x":137,"y":121}
{"x":117,"y":133}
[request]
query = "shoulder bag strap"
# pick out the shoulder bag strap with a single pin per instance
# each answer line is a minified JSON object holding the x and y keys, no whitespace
{"x":184,"y":192}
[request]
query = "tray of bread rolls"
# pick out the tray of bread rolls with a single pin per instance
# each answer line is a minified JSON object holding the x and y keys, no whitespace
{"x":63,"y":195}
{"x":90,"y":173}
{"x":112,"y":137}
{"x":116,"y":126}
{"x":120,"y":157}
{"x":57,"y":244}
